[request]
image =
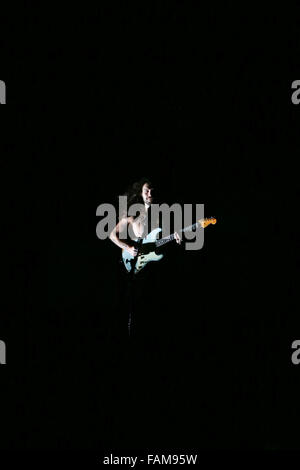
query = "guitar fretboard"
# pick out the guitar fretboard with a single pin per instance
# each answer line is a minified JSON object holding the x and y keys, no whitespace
{"x":171,"y":237}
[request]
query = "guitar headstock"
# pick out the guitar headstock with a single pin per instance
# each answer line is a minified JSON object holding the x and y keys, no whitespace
{"x":207,"y":221}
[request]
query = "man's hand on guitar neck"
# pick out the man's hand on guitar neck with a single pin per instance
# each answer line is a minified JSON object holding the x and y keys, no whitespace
{"x":177,"y":238}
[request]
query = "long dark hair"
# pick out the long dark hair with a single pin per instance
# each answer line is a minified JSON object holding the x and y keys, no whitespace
{"x":134,"y":192}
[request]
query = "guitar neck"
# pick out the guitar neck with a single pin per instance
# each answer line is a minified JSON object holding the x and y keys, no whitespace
{"x":171,"y":237}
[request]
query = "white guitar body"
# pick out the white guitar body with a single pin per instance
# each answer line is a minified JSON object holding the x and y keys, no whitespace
{"x":143,"y":258}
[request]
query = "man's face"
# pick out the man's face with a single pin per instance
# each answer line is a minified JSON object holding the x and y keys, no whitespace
{"x":147,"y":194}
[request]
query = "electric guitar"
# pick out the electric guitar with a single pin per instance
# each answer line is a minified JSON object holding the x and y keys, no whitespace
{"x":147,"y":246}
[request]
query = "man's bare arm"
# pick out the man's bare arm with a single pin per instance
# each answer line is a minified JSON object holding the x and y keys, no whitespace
{"x":114,"y":236}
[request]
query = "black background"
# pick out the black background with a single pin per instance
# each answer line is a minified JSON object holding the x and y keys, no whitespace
{"x":197,"y":98}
